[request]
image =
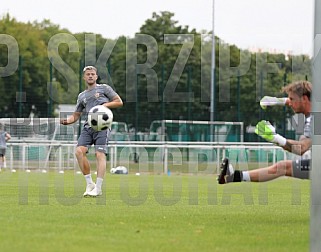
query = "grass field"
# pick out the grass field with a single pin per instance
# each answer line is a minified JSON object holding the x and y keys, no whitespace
{"x":46,"y":212}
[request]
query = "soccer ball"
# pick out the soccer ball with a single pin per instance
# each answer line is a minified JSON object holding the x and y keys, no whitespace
{"x":100,"y":118}
{"x":119,"y":170}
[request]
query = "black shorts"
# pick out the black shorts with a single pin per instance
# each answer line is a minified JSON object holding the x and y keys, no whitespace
{"x":301,"y":168}
{"x":89,"y":137}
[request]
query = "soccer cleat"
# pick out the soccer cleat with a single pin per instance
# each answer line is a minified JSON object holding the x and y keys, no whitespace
{"x":224,"y":171}
{"x":95,"y":192}
{"x":89,"y":188}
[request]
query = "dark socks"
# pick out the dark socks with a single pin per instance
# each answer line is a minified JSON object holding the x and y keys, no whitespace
{"x":237,"y":176}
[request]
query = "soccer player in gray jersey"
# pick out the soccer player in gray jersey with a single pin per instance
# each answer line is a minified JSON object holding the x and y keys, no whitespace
{"x":95,"y":94}
{"x":299,"y":99}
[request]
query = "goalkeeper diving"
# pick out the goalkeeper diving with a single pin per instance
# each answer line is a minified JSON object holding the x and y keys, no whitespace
{"x":299,"y":99}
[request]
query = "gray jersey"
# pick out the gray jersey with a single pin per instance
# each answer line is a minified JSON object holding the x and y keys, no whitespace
{"x":301,"y":167}
{"x":87,"y":99}
{"x":307,"y":131}
{"x":3,"y":142}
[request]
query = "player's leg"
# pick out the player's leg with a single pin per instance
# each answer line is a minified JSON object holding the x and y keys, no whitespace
{"x":100,"y":140}
{"x":282,"y":168}
{"x":81,"y":155}
{"x":298,"y":169}
{"x":2,"y":154}
{"x":2,"y":157}
{"x":101,"y":170}
{"x":101,"y":164}
{"x":84,"y":141}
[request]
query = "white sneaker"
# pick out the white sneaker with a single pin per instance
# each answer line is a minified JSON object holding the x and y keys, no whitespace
{"x":95,"y":192}
{"x":89,"y":188}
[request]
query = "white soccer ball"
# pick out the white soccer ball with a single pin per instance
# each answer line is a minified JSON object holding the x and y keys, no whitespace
{"x":119,"y":170}
{"x":100,"y":118}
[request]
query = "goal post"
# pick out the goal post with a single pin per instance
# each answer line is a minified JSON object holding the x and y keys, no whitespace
{"x":197,"y":131}
{"x":315,"y":208}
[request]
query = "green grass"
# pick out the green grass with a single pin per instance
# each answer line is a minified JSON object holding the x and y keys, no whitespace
{"x":45,"y":212}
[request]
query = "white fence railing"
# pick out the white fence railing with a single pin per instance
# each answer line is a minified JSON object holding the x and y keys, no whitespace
{"x":59,"y":155}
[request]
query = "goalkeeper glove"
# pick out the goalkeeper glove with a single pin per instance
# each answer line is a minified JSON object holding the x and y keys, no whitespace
{"x":272,"y":101}
{"x":265,"y":130}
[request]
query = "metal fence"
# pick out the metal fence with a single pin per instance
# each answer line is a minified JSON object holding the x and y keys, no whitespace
{"x":145,"y":156}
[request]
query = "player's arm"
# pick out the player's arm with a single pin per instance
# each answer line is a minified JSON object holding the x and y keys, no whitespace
{"x":8,"y":137}
{"x":116,"y":102}
{"x":298,"y":147}
{"x":267,"y":101}
{"x":265,"y":130}
{"x":71,"y":119}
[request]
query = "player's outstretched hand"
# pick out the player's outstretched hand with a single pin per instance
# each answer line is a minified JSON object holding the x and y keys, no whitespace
{"x":265,"y":130}
{"x":272,"y":101}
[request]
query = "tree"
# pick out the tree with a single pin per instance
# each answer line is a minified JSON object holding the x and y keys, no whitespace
{"x":182,"y":67}
{"x":34,"y":75}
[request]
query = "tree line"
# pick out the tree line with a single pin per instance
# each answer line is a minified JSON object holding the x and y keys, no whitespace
{"x":163,"y":72}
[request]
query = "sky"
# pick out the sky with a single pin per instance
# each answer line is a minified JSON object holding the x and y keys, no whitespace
{"x":284,"y":26}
